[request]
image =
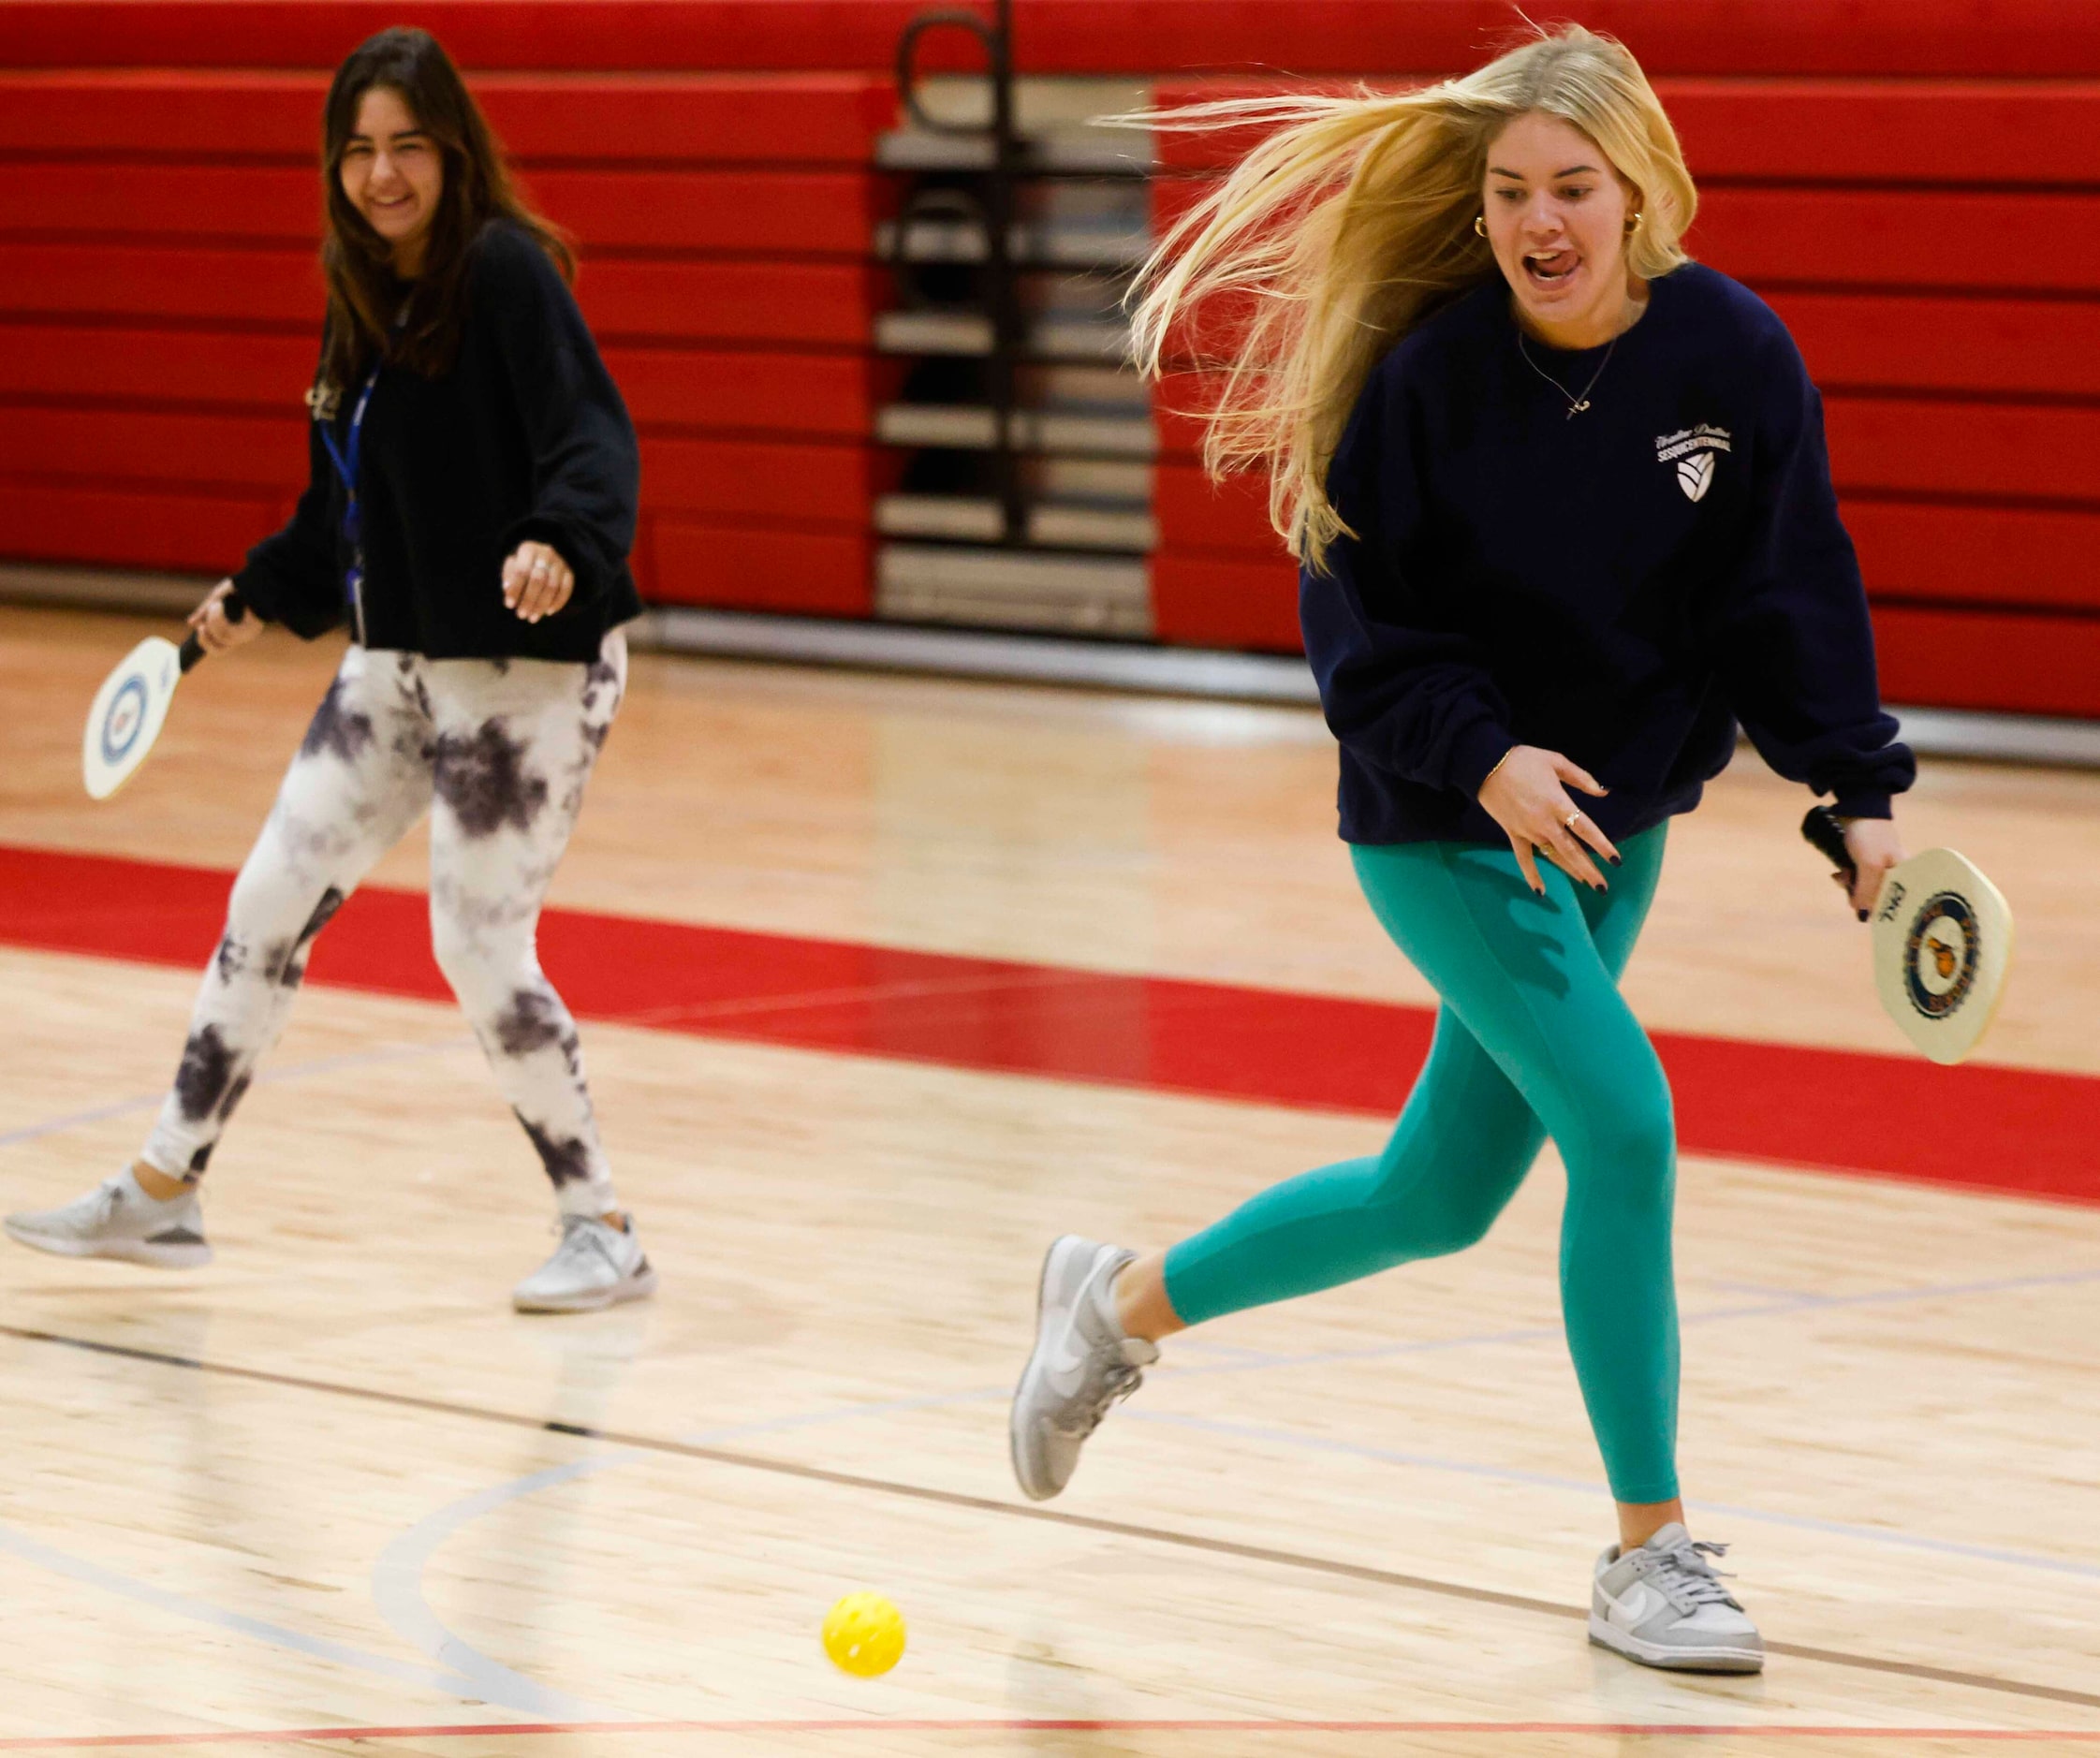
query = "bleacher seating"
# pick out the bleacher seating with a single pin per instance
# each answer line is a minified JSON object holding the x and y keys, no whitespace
{"x":1906,"y":179}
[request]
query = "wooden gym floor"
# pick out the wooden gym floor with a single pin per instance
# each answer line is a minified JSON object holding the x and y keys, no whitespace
{"x":332,"y":1496}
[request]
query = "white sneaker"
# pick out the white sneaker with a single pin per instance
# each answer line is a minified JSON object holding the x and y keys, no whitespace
{"x":117,"y":1219}
{"x":1083,"y":1364}
{"x":596,"y":1264}
{"x":1662,"y":1603}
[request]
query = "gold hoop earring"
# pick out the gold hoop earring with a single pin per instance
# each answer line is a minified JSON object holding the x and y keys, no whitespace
{"x":1480,"y":224}
{"x":1635,"y":224}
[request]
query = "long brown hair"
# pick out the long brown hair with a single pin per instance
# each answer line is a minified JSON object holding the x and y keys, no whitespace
{"x":1352,"y":222}
{"x":364,"y":295}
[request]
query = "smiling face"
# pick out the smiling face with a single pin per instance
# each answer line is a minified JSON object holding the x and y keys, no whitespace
{"x":393,"y":174}
{"x":1557,"y":215}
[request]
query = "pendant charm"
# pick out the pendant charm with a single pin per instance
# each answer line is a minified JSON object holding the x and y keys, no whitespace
{"x":1574,"y":409}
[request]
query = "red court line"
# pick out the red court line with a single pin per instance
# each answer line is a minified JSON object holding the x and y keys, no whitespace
{"x":2023,"y":1131}
{"x":879,"y":1725}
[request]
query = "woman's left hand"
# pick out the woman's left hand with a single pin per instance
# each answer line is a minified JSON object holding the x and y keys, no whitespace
{"x":537,"y":583}
{"x":1875,"y":847}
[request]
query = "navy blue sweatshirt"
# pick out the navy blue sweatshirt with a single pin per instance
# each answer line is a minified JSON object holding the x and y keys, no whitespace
{"x":525,"y":438}
{"x":1622,"y":586}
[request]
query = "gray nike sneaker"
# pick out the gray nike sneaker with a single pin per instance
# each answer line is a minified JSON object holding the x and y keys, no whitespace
{"x":117,"y":1219}
{"x":596,"y":1264}
{"x":1083,"y":1364}
{"x":1663,"y":1604}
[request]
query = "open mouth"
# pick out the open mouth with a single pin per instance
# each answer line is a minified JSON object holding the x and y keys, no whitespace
{"x":1550,"y":267}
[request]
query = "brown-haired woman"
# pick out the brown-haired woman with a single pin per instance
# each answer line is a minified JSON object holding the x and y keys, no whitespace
{"x":471,"y":504}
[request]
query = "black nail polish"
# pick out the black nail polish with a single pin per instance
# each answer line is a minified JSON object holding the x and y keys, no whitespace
{"x":1862,"y":915}
{"x":1617,"y":862}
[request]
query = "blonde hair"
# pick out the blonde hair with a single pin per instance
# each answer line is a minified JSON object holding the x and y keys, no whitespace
{"x":1350,"y":224}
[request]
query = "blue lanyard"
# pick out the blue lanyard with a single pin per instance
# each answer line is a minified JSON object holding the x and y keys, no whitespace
{"x":346,"y":460}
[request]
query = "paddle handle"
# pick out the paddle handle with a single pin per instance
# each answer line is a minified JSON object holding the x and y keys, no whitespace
{"x":192,"y":649}
{"x":1822,"y":828}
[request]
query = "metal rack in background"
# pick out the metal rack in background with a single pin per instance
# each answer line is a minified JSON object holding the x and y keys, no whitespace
{"x":1022,"y":443}
{"x":993,"y":212}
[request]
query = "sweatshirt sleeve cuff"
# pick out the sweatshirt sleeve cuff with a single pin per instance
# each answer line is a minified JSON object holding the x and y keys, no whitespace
{"x":261,"y":591}
{"x":1862,"y":805}
{"x":1477,"y":753}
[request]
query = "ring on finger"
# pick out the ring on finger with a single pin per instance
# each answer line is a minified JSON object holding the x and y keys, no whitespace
{"x":1569,"y":822}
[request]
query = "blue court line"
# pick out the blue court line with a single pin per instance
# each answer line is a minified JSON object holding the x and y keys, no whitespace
{"x":397,"y":1586}
{"x":397,"y":1576}
{"x":1583,"y":1487}
{"x":291,"y":1071}
{"x":31,"y":1550}
{"x":397,"y":1592}
{"x":1790,"y":1304}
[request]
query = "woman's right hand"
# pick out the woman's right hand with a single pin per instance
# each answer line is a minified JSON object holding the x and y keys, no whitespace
{"x":216,"y":632}
{"x":1526,"y":793}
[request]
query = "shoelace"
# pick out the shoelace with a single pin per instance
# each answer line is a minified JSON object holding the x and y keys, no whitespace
{"x":581,"y":1237}
{"x":1121,"y":1379}
{"x":1684,"y":1576}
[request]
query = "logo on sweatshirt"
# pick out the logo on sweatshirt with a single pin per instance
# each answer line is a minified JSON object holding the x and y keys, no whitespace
{"x":1696,"y":452}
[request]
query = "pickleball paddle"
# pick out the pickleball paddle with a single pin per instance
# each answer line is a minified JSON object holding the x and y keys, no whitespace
{"x":129,"y":710}
{"x":1943,"y":942}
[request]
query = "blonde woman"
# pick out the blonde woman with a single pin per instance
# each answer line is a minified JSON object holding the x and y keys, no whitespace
{"x":1564,"y":518}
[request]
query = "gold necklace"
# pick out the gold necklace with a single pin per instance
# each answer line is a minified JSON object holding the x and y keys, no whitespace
{"x":1576,"y":405}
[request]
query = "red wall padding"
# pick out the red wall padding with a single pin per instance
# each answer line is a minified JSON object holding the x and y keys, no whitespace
{"x":1905,"y":180}
{"x":763,"y":568}
{"x":695,"y":299}
{"x":758,"y":212}
{"x":755,"y":390}
{"x":2023,"y":39}
{"x":1212,"y":599}
{"x":266,"y":453}
{"x":668,"y":387}
{"x":159,"y":305}
{"x":1955,"y":335}
{"x":1818,"y":131}
{"x":2039,"y":559}
{"x":1995,"y":345}
{"x":68,"y":362}
{"x":744,"y":478}
{"x":186,"y":532}
{"x":722,"y":119}
{"x":2029,"y":664}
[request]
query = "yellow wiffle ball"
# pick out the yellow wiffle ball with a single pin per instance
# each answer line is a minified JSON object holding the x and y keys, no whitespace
{"x":864,"y":1634}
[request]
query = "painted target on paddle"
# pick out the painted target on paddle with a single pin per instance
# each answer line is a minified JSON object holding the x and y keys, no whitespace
{"x":127,"y":715}
{"x":1942,"y":943}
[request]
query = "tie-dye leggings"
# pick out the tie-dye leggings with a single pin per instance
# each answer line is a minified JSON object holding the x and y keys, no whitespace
{"x":498,"y":752}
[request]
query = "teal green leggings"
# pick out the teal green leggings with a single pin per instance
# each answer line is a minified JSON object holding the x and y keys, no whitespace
{"x":1534,"y":1040}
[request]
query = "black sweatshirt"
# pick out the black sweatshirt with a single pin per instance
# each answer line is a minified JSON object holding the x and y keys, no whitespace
{"x":525,"y":439}
{"x":1622,"y":586}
